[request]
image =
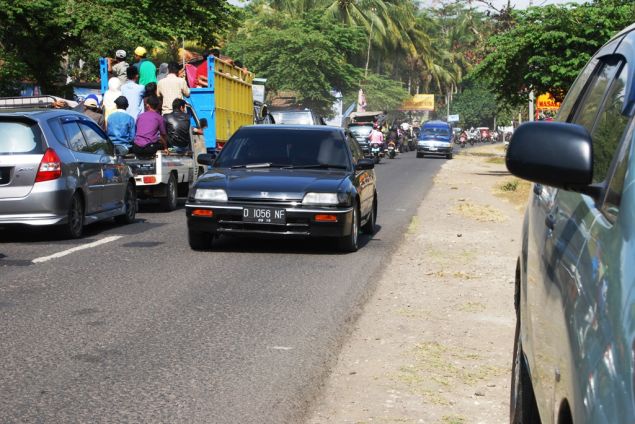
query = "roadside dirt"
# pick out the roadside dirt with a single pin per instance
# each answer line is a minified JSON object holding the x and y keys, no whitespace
{"x":434,"y":343}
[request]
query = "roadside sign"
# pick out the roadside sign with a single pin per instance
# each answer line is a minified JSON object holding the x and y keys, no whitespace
{"x":419,"y":102}
{"x":453,"y":118}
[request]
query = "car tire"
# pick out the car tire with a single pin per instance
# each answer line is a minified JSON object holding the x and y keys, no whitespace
{"x":170,"y":201}
{"x":130,"y":204}
{"x":350,"y":243}
{"x":74,"y":226}
{"x":522,"y":405}
{"x":419,"y":155}
{"x":449,"y":156}
{"x":199,"y":240}
{"x":369,"y":227}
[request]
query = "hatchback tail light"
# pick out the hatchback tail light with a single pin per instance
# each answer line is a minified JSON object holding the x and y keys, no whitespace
{"x":50,"y":167}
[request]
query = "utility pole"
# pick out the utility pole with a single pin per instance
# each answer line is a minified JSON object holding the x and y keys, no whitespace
{"x":370,"y":37}
{"x":532,"y":97}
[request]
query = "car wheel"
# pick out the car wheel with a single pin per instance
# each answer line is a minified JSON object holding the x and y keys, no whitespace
{"x":169,"y":202}
{"x":523,"y":408}
{"x":130,"y":204}
{"x":349,"y":243}
{"x":199,"y":240}
{"x":74,"y":227}
{"x":419,"y":155}
{"x":369,"y":227}
{"x":449,"y":156}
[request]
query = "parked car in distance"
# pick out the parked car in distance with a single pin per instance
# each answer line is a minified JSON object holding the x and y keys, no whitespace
{"x":574,"y":351}
{"x":296,"y":117}
{"x":287,"y":181}
{"x":435,"y":138}
{"x":57,"y":167}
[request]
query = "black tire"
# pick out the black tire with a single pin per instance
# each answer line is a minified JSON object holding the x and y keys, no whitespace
{"x":449,"y":156}
{"x":369,"y":227}
{"x":130,"y":203}
{"x":522,"y":405}
{"x":419,"y":155}
{"x":349,"y":243}
{"x":74,"y":226}
{"x":170,"y":201}
{"x":199,"y":240}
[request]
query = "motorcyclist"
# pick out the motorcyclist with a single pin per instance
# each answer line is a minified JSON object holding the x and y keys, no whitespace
{"x":376,"y":137}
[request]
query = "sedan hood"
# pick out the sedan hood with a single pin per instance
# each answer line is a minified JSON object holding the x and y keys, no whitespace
{"x":272,"y":183}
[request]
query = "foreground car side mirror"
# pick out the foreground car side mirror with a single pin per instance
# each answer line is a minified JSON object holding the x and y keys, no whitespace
{"x":552,"y":153}
{"x":206,"y":158}
{"x":363,"y":164}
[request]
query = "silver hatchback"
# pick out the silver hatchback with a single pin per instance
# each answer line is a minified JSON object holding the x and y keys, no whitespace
{"x":57,"y":167}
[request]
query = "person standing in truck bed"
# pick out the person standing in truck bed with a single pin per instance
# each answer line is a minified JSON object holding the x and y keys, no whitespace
{"x":172,"y":87}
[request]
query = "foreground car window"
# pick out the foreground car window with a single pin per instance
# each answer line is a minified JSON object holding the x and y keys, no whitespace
{"x":18,"y":138}
{"x":282,"y":148}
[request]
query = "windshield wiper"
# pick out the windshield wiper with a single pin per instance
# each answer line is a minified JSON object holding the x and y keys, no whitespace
{"x":317,"y":166}
{"x":259,"y":165}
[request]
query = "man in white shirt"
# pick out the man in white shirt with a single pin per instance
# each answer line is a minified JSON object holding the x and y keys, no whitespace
{"x":172,"y":87}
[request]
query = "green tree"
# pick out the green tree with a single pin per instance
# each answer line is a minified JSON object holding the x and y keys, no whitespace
{"x":547,"y":46}
{"x":381,"y":93}
{"x":309,"y":56}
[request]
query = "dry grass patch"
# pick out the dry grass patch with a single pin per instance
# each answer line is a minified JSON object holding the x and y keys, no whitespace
{"x":515,"y":191}
{"x":481,"y":213}
{"x":496,"y":160}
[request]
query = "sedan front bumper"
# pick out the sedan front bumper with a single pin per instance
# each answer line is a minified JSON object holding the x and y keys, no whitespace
{"x":299,"y":221}
{"x":434,"y":150}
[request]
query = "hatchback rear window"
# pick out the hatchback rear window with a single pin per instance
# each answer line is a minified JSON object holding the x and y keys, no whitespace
{"x":18,"y":138}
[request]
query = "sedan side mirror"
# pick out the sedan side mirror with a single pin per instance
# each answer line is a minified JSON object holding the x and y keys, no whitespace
{"x":363,"y":164}
{"x":206,"y":158}
{"x":552,"y":153}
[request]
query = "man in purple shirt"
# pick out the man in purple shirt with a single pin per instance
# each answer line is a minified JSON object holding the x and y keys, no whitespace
{"x":150,"y":135}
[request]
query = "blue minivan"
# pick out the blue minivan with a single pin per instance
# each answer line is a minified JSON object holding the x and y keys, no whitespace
{"x":435,"y":138}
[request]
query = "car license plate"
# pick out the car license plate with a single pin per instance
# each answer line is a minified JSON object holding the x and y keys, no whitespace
{"x":433,"y":149}
{"x":265,"y":215}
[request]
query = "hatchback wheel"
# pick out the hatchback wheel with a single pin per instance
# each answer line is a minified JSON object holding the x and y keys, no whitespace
{"x":130,"y":204}
{"x":74,"y":226}
{"x":523,"y":408}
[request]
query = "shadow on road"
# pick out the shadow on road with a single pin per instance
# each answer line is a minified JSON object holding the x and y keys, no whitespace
{"x":315,"y":246}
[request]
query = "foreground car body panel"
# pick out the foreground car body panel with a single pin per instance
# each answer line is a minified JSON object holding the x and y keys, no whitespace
{"x":576,"y":281}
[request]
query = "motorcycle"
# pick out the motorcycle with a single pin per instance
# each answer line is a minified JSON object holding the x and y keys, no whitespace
{"x":463,"y":139}
{"x":391,"y":151}
{"x":375,"y":150}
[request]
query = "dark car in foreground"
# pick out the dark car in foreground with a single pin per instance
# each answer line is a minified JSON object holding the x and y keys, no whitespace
{"x":574,"y":353}
{"x":285,"y":181}
{"x":57,"y":167}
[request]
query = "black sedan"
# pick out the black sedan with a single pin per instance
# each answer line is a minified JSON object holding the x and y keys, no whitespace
{"x":306,"y":181}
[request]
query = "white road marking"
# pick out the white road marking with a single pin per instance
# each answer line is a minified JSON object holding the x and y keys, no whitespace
{"x":75,"y":249}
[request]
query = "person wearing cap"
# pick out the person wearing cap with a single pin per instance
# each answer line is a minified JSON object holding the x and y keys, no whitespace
{"x":147,"y":69}
{"x":92,"y":110}
{"x":118,"y":69}
{"x":120,"y":126}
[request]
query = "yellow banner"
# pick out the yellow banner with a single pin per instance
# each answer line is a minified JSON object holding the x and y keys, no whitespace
{"x":419,"y":102}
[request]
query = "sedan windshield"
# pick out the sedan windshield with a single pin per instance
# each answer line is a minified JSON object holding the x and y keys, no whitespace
{"x":284,"y":148}
{"x":435,"y":132}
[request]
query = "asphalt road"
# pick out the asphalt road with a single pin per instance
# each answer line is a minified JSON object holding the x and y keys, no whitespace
{"x":128,"y":324}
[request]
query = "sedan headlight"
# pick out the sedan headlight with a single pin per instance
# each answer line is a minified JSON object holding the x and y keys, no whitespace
{"x":324,"y":199}
{"x":211,"y":195}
